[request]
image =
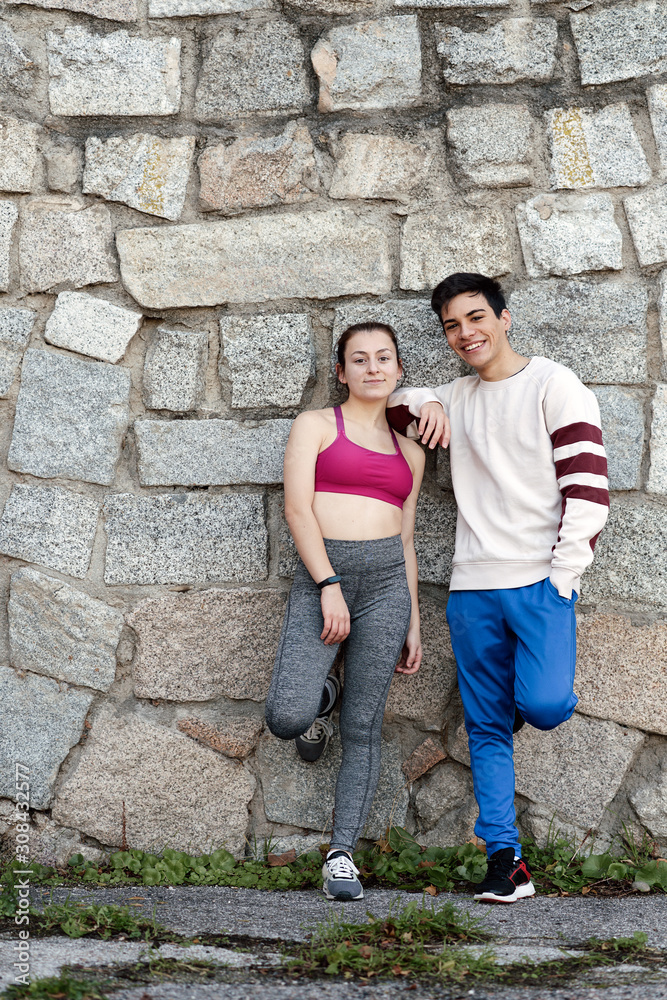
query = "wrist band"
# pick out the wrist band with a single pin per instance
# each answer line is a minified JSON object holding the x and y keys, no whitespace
{"x":329,"y":580}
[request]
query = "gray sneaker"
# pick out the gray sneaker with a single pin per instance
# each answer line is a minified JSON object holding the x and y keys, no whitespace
{"x":340,"y":878}
{"x":311,"y":744}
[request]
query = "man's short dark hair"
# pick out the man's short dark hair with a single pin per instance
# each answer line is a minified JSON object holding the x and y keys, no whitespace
{"x":462,"y":282}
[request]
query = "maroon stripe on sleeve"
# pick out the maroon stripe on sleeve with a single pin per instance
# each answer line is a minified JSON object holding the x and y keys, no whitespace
{"x":575,"y":491}
{"x":399,"y":417}
{"x":594,"y":540}
{"x":595,"y":465}
{"x":571,"y":433}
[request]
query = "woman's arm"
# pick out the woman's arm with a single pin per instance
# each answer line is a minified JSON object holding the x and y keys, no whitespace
{"x":411,"y":656}
{"x":306,"y":437}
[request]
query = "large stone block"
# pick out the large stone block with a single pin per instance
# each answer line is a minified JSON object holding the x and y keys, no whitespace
{"x":71,"y":417}
{"x":492,"y":145}
{"x":200,"y":8}
{"x":184,"y":538}
{"x":175,"y":370}
{"x":435,"y":531}
{"x":255,"y":171}
{"x":114,"y":10}
{"x":595,"y":148}
{"x":62,"y":632}
{"x":548,"y":318}
{"x":447,"y":4}
{"x":628,"y":562}
{"x":647,"y":217}
{"x":250,"y":66}
{"x":50,"y":526}
{"x":649,"y":800}
{"x":381,"y":166}
{"x":427,"y":357}
{"x":206,"y":645}
{"x":569,"y":234}
{"x":15,"y":328}
{"x":657,"y":479}
{"x":445,"y":806}
{"x":302,"y":794}
{"x":8,"y":217}
{"x":16,"y":67}
{"x":269,"y":359}
{"x":423,"y":697}
{"x":317,"y":255}
{"x":64,"y":166}
{"x":520,"y":48}
{"x":144,"y":171}
{"x":657,"y":106}
{"x":621,"y":42}
{"x":210,"y":452}
{"x":432,"y":247}
{"x":662,"y":319}
{"x":64,"y":243}
{"x":622,"y":417}
{"x":147,"y":783}
{"x":235,"y":737}
{"x":370,"y":64}
{"x":575,"y":769}
{"x":91,"y":326}
{"x":18,"y":154}
{"x":114,"y":74}
{"x":622,"y":671}
{"x":41,"y":722}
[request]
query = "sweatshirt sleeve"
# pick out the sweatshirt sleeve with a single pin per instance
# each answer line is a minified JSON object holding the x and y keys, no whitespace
{"x":404,"y":407}
{"x":573,"y":421}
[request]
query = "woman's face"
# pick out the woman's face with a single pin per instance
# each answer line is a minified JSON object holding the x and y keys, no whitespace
{"x":372,"y":368}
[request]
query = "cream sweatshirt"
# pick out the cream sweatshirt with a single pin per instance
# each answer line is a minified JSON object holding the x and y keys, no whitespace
{"x":529,"y":473}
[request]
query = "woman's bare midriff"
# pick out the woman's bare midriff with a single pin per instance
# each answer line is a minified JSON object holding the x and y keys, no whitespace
{"x":353,"y":518}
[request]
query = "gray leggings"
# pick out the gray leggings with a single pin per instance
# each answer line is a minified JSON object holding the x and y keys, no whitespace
{"x":376,"y":591}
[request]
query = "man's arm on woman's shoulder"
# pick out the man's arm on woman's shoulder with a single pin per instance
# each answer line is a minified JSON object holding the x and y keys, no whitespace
{"x":428,"y":406}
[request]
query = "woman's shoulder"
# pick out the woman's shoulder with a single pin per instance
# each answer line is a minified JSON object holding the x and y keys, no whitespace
{"x":412,"y":451}
{"x":314,"y":419}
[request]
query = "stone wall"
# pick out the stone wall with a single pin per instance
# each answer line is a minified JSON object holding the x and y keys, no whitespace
{"x":196,"y":196}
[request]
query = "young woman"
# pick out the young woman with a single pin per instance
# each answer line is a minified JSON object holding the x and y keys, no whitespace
{"x":350,"y":495}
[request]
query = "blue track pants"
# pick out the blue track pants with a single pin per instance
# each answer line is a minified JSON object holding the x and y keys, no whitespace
{"x":512,"y":647}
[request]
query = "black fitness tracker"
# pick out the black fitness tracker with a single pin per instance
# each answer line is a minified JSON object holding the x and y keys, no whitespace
{"x":329,"y":580}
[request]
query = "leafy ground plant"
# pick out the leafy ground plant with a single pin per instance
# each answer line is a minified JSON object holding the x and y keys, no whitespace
{"x":55,"y":988}
{"x":81,"y":919}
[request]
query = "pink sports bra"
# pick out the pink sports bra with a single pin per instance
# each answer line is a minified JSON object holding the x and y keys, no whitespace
{"x":341,"y":469}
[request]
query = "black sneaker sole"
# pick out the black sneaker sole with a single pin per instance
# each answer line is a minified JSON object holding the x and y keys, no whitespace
{"x":521,"y":892}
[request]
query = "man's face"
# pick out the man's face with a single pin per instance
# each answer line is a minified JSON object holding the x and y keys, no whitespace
{"x":473,"y":330}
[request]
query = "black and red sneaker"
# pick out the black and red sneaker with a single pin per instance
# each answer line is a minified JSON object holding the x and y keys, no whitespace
{"x":507,"y":879}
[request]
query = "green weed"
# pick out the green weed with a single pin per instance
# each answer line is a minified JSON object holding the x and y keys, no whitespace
{"x":55,"y":988}
{"x":81,"y":919}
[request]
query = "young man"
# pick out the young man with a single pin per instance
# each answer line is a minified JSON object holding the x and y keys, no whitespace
{"x":530,"y":478}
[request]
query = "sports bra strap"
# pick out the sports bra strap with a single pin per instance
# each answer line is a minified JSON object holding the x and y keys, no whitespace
{"x":340,"y":423}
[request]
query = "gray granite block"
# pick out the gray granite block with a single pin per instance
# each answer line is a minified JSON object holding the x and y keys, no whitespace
{"x":185,"y":538}
{"x":41,"y":722}
{"x":210,"y":452}
{"x":114,"y":10}
{"x":657,"y":480}
{"x":569,"y":234}
{"x":18,"y":154}
{"x":647,"y":218}
{"x":8,"y":217}
{"x":595,"y":148}
{"x":657,"y":106}
{"x":382,"y":166}
{"x":317,"y":255}
{"x":64,"y":165}
{"x":621,"y":42}
{"x":369,"y":64}
{"x":520,"y":48}
{"x":71,"y":417}
{"x":302,"y":794}
{"x":207,"y":644}
{"x":16,"y":68}
{"x":200,"y":8}
{"x":435,"y":534}
{"x":269,"y":359}
{"x":622,"y":416}
{"x":252,"y":66}
{"x":114,"y":74}
{"x":628,"y":564}
{"x":15,"y":328}
{"x":427,"y":357}
{"x":548,"y":318}
{"x":91,"y":326}
{"x":432,"y":248}
{"x":57,"y":630}
{"x":144,"y":171}
{"x":492,"y":145}
{"x":50,"y":526}
{"x":63,"y":242}
{"x":175,"y":370}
